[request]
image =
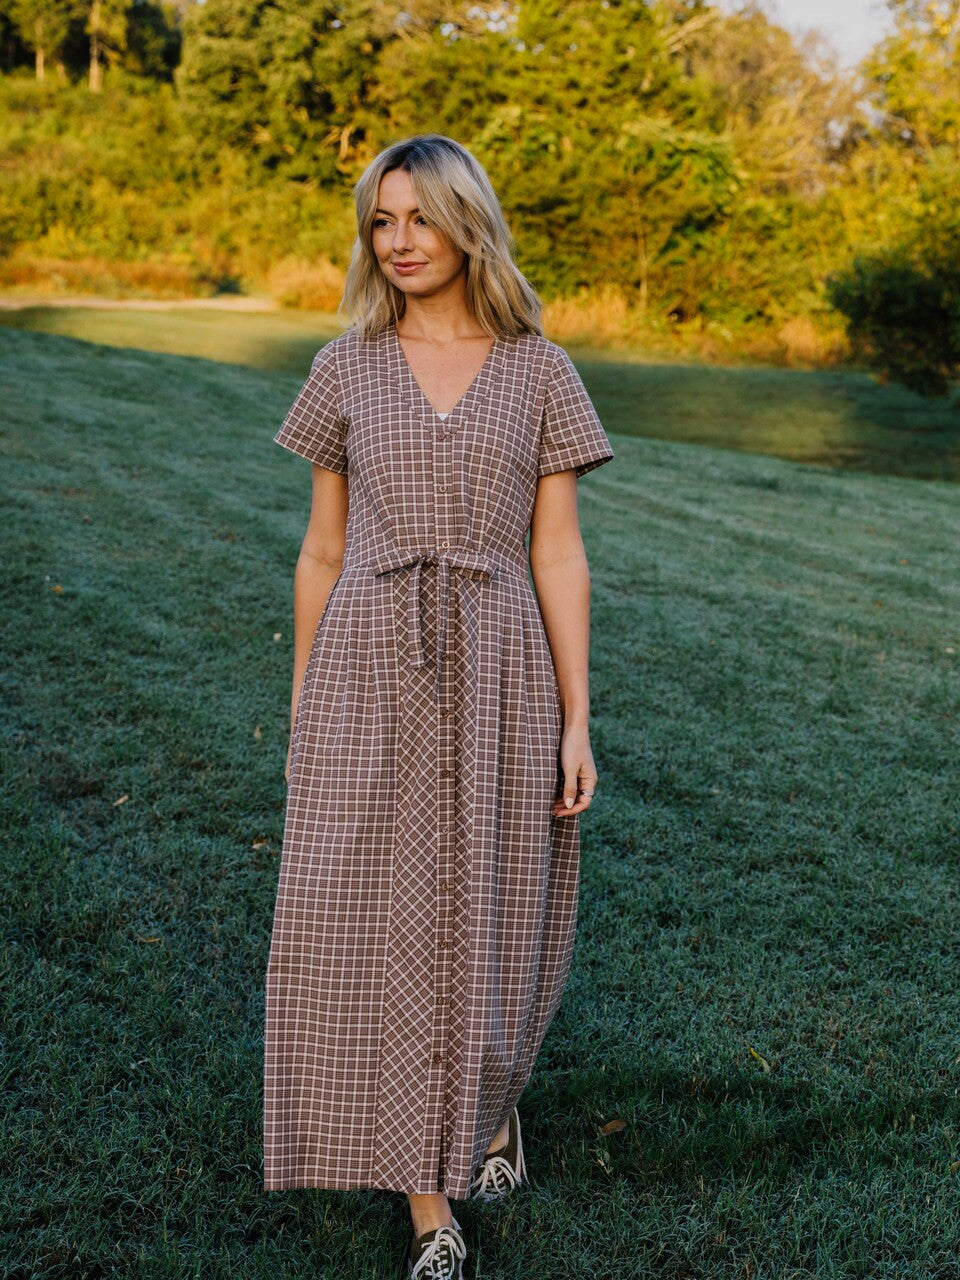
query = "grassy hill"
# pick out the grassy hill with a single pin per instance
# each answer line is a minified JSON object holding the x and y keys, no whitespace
{"x":764,"y":989}
{"x":836,"y":418}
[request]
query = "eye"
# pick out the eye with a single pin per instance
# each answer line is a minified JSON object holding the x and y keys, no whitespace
{"x":379,"y":222}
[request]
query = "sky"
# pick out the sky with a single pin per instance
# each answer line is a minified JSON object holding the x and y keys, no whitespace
{"x":851,"y":26}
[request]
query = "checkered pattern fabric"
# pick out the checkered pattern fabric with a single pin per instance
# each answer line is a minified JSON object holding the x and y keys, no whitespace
{"x":427,"y":898}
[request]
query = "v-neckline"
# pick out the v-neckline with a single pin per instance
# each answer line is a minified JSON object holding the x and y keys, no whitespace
{"x":415,"y":392}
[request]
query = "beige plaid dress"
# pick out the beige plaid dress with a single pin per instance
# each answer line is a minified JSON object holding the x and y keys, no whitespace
{"x":427,"y":898}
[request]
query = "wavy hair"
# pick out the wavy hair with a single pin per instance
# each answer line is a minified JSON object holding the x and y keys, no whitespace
{"x":456,"y":196}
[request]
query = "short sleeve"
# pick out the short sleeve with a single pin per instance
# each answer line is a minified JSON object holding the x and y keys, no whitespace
{"x":573,"y":436}
{"x":314,"y":426}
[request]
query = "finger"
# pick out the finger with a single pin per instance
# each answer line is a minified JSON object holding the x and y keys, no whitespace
{"x":561,"y":811}
{"x":569,"y":790}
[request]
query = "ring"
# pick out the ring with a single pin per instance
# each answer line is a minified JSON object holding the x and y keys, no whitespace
{"x":585,"y":793}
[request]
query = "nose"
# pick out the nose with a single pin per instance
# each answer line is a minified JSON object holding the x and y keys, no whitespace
{"x":401,"y":237}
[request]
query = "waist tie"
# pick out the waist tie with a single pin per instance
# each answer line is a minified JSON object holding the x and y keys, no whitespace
{"x":461,"y":561}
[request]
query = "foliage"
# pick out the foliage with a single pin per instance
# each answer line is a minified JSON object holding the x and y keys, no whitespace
{"x":915,"y":74}
{"x":905,"y":316}
{"x":286,"y":81}
{"x":141,"y":36}
{"x":903,"y":304}
{"x":902,"y":295}
{"x":689,"y":165}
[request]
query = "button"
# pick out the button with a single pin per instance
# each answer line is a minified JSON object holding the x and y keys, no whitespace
{"x":443,"y":944}
{"x":445,"y":827}
{"x":444,"y":884}
{"x":441,"y":999}
{"x":442,"y":488}
{"x":437,"y":1059}
{"x":444,"y":543}
{"x":444,"y":773}
{"x":444,"y":711}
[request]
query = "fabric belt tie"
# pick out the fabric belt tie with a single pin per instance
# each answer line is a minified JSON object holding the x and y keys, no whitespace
{"x":462,"y":561}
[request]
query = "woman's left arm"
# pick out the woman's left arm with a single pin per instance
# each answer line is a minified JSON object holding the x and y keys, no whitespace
{"x":561,"y":579}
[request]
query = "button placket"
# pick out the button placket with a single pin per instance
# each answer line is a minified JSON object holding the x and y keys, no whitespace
{"x":443,"y":507}
{"x":445,"y":889}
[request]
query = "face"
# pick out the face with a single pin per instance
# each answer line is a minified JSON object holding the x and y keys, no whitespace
{"x":414,"y":256}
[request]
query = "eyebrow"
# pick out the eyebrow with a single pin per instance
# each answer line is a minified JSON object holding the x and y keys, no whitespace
{"x":389,"y":214}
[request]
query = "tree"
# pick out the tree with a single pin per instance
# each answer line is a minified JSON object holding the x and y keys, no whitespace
{"x":153,"y":39}
{"x":784,"y":104}
{"x":904,"y":317}
{"x":107,"y":29}
{"x":597,"y":153}
{"x":902,"y":303}
{"x":288,"y":82}
{"x":914,"y":75}
{"x":42,"y":25}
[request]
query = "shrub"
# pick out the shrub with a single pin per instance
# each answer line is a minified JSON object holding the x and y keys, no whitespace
{"x":903,"y":315}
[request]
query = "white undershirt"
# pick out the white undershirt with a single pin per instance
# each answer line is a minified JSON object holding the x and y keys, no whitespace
{"x":442,"y":415}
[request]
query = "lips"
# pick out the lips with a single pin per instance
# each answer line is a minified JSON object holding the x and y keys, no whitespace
{"x":408,"y":266}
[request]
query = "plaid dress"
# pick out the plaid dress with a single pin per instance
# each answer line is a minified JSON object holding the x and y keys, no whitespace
{"x":427,"y":898}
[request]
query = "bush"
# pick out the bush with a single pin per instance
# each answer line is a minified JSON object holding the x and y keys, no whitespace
{"x":903,"y":316}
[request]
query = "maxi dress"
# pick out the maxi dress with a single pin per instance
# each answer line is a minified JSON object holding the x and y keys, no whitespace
{"x":427,"y":897}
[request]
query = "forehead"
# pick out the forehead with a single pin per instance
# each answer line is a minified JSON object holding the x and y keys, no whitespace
{"x":395,"y":193}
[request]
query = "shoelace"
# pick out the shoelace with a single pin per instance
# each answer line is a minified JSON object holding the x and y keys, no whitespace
{"x":431,"y":1266}
{"x":497,"y":1176}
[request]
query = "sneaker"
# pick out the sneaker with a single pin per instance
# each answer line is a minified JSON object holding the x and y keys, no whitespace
{"x":438,"y":1255}
{"x":503,"y":1169}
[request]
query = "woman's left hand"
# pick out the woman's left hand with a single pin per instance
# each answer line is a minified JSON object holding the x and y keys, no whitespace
{"x":579,"y":773}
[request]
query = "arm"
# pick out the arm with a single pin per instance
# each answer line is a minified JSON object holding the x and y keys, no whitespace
{"x":318,"y":567}
{"x":561,"y":579}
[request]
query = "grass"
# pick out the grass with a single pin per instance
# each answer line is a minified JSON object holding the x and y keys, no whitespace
{"x":838,"y":418}
{"x":764,"y":985}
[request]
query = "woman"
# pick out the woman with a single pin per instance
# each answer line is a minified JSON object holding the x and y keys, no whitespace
{"x":439,"y":753}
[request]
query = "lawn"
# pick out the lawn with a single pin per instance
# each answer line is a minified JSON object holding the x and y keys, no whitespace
{"x":764,"y":992}
{"x":838,"y":418}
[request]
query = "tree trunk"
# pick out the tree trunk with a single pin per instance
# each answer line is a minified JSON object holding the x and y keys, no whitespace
{"x":96,"y":67}
{"x":640,"y":241}
{"x":39,"y":63}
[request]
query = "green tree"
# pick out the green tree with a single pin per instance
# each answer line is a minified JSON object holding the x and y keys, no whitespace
{"x":287,"y":81}
{"x":597,"y":151}
{"x":43,"y":26}
{"x":902,"y":303}
{"x":106,"y":25}
{"x":902,"y":299}
{"x":153,"y":39}
{"x":914,"y":76}
{"x":904,"y":316}
{"x":785,"y":106}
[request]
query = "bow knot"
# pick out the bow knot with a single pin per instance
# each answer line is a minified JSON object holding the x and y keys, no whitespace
{"x":459,"y":561}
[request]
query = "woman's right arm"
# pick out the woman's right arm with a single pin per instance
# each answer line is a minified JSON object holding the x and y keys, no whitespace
{"x":318,"y":567}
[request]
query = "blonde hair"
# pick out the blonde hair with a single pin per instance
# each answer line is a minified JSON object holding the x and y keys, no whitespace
{"x":454,"y":193}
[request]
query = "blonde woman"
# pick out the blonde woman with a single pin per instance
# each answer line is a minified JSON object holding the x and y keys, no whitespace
{"x":439,"y":753}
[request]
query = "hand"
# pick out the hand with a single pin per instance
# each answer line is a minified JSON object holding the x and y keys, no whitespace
{"x":579,"y":773}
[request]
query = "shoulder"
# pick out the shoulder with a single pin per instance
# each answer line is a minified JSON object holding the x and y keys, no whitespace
{"x":350,"y":351}
{"x":344,"y":359}
{"x":538,"y":350}
{"x":539,"y":354}
{"x":336,"y":348}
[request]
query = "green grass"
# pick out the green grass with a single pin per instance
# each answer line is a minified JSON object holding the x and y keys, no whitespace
{"x":771,"y":862}
{"x":273,"y":341}
{"x":837,"y":418}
